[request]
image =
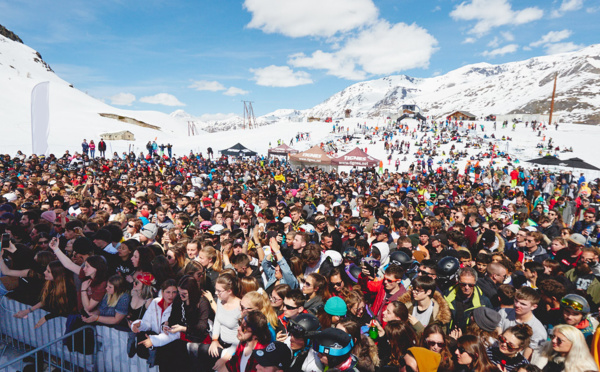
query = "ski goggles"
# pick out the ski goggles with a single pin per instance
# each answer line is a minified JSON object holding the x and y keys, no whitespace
{"x":572,"y":304}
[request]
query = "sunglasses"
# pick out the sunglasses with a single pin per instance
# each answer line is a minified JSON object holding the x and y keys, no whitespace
{"x":305,"y":283}
{"x":558,"y":340}
{"x":463,"y":351}
{"x":246,"y":308}
{"x":431,"y":343}
{"x":336,"y":284}
{"x":385,"y":280}
{"x":288,"y":307}
{"x":132,"y":226}
{"x":509,"y":345}
{"x":464,"y":285}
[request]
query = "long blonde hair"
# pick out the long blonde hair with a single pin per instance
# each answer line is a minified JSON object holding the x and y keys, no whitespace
{"x":579,"y":358}
{"x":120,"y":286}
{"x":260,"y":300}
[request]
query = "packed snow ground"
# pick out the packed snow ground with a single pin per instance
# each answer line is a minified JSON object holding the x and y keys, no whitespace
{"x":582,"y":138}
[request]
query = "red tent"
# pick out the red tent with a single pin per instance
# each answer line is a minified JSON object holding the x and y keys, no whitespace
{"x":356,"y":157}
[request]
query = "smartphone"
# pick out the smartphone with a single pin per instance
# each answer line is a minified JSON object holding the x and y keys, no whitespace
{"x":5,"y":240}
{"x":84,"y":313}
{"x":370,"y":268}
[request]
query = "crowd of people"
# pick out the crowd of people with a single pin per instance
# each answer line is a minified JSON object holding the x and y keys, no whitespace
{"x":250,"y":265}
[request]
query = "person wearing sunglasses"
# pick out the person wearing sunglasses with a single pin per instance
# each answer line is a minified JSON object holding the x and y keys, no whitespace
{"x":470,"y":355}
{"x":507,"y":353}
{"x":434,"y":338}
{"x":465,"y":296}
{"x":566,"y":351}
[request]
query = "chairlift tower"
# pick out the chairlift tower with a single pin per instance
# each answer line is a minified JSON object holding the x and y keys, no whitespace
{"x":249,"y":115}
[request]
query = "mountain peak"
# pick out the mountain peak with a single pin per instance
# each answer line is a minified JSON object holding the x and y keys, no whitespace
{"x":9,"y":34}
{"x":483,"y":89}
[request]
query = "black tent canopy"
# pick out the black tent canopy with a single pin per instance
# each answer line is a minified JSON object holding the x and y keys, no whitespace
{"x":579,"y":163}
{"x":546,"y":160}
{"x":238,"y":150}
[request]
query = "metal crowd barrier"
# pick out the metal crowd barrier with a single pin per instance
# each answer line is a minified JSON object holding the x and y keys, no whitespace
{"x":45,"y":344}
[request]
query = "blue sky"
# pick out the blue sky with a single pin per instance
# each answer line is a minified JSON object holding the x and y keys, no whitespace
{"x":204,"y":57}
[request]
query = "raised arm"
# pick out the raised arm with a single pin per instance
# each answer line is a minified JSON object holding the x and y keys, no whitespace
{"x":9,"y":272}
{"x":66,"y":261}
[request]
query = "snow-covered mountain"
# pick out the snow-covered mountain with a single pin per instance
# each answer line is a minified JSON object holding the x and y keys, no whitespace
{"x":74,"y":115}
{"x":484,"y":89}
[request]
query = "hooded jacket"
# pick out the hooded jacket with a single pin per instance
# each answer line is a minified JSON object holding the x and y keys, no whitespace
{"x":441,"y":311}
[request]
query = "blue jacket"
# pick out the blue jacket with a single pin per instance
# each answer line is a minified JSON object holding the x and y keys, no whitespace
{"x":287,"y":276}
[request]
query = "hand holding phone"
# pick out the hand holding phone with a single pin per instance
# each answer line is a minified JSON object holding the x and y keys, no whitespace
{"x":5,"y":240}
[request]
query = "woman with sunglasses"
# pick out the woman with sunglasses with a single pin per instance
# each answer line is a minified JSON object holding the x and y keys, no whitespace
{"x":142,"y":294}
{"x":507,"y":353}
{"x":434,"y":339}
{"x":566,"y":351}
{"x":470,"y":355}
{"x":316,"y":292}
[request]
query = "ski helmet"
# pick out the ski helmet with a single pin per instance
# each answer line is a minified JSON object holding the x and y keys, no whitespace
{"x":303,"y":325}
{"x":335,"y":344}
{"x":447,"y":267}
{"x":400,"y":258}
{"x":575,"y":302}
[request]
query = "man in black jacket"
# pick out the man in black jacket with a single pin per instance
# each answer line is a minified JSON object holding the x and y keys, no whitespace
{"x":495,"y":276}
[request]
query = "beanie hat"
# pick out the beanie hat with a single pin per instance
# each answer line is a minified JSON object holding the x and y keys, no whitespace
{"x":205,"y":214}
{"x":49,"y":216}
{"x":486,"y":318}
{"x":427,"y":360}
{"x":336,"y":306}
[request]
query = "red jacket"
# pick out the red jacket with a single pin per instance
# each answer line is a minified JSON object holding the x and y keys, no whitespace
{"x":233,"y":365}
{"x":380,"y":303}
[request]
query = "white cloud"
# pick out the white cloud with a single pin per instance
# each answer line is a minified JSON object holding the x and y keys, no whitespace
{"x":436,"y":9}
{"x":233,"y":91}
{"x":508,"y":36}
{"x":567,"y":6}
{"x":507,"y":49}
{"x":280,"y":76}
{"x":213,"y":86}
{"x":592,"y":9}
{"x":562,"y":47}
{"x":493,"y":13}
{"x":310,"y":17}
{"x":162,"y":99}
{"x":552,"y":37}
{"x":469,"y":40}
{"x":376,"y":50}
{"x":216,"y":117}
{"x":494,"y":43}
{"x":122,"y":99}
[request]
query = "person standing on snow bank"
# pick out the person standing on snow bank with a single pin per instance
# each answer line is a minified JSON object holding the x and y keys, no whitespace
{"x":92,"y":149}
{"x":85,"y":147}
{"x":102,"y":148}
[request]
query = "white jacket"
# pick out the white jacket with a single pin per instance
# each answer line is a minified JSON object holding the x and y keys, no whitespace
{"x":153,"y":321}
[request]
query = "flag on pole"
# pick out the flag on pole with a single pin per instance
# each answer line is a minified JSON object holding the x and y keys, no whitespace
{"x":40,"y":118}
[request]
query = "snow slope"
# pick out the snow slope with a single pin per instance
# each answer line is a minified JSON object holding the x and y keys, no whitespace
{"x":73,"y":114}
